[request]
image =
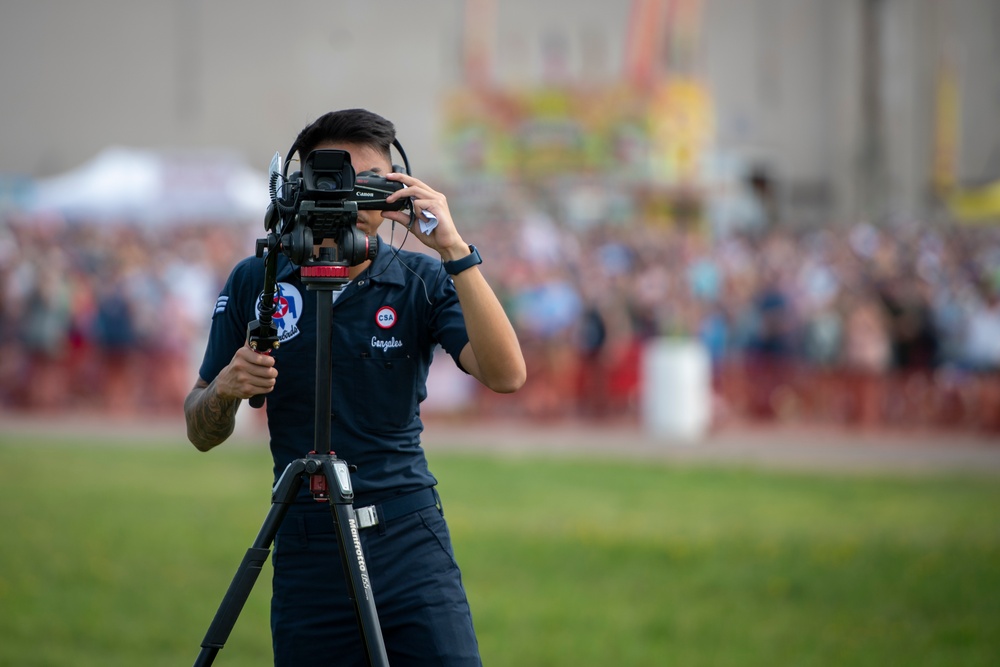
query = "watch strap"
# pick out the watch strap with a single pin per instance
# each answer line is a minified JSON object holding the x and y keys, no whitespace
{"x":456,"y":266}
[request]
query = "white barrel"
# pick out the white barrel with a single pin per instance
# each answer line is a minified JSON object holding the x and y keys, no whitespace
{"x":676,"y":389}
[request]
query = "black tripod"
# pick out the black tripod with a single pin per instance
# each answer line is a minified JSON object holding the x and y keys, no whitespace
{"x":329,"y":477}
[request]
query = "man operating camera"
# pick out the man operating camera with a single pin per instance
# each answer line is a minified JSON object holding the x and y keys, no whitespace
{"x":386,"y":323}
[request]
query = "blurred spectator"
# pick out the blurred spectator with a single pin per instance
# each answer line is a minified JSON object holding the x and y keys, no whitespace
{"x":867,"y":355}
{"x":982,"y":341}
{"x":590,"y":340}
{"x":44,"y":313}
{"x":115,"y":338}
{"x":982,"y":353}
{"x":914,"y":334}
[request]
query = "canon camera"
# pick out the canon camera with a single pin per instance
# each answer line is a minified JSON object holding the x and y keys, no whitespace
{"x":322,"y":202}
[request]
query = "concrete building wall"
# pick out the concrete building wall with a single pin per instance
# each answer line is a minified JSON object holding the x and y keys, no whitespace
{"x":785,"y":75}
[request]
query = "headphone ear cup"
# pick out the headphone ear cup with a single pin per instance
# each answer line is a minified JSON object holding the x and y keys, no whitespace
{"x":399,"y":169}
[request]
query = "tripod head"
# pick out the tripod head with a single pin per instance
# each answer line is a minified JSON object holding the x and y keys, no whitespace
{"x":320,"y":204}
{"x":325,"y":269}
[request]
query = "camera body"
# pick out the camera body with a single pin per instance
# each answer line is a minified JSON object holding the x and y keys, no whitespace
{"x":329,"y":195}
{"x":328,"y":174}
{"x":322,"y":202}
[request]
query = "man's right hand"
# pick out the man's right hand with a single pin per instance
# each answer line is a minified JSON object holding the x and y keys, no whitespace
{"x":248,"y":374}
{"x":210,"y":409}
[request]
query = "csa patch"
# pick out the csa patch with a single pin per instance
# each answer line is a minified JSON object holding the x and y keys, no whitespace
{"x":287,"y":310}
{"x":385,"y":317}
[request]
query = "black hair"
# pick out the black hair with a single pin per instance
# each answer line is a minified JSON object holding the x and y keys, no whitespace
{"x":348,"y":126}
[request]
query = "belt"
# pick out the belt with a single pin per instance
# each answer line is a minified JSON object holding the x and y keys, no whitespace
{"x":372,"y":515}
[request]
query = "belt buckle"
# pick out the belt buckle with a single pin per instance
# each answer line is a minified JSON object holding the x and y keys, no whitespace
{"x":367,"y":516}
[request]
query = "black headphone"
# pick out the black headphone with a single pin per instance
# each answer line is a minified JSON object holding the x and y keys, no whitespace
{"x":406,"y":163}
{"x":404,"y":169}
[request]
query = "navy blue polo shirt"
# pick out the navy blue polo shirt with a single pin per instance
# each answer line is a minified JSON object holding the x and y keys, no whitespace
{"x":386,"y":325}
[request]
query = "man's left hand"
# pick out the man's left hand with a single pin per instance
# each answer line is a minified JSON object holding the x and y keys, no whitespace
{"x":445,"y":237}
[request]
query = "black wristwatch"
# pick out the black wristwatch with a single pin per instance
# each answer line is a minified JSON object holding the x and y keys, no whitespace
{"x":455,"y":267}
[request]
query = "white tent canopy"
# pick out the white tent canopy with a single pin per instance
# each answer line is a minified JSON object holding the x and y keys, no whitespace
{"x":156,"y":187}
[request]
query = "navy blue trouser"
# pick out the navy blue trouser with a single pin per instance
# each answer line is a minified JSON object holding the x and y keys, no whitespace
{"x":421,"y":603}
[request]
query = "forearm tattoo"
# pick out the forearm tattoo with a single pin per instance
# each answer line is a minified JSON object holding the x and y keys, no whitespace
{"x":210,"y":419}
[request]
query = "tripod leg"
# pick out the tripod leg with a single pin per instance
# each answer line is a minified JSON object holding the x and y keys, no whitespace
{"x":246,"y":575}
{"x":232,"y":604}
{"x":356,"y":571}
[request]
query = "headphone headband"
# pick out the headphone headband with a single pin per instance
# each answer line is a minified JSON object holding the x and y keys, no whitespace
{"x":395,"y":142}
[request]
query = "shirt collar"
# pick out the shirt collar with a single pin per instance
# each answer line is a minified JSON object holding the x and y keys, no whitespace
{"x":386,"y":267}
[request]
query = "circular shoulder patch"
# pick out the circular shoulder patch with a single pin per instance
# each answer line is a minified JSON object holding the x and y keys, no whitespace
{"x":287,"y":311}
{"x":385,"y":317}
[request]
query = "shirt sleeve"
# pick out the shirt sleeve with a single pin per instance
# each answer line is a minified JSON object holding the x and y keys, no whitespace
{"x":447,"y":319}
{"x":234,"y":309}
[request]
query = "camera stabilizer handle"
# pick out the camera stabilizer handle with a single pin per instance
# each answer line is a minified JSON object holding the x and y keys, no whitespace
{"x":262,"y":334}
{"x":329,"y":477}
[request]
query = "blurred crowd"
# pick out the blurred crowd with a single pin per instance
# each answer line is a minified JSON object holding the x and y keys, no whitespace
{"x":897,"y":325}
{"x":886,"y":325}
{"x":107,"y":317}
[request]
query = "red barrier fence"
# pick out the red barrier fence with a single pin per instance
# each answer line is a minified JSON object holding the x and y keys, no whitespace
{"x":563,"y":384}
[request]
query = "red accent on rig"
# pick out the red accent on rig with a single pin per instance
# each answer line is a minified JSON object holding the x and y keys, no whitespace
{"x":325,"y":272}
{"x":318,"y":487}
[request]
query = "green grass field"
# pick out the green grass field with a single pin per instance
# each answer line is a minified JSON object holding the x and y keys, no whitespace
{"x":114,"y":555}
